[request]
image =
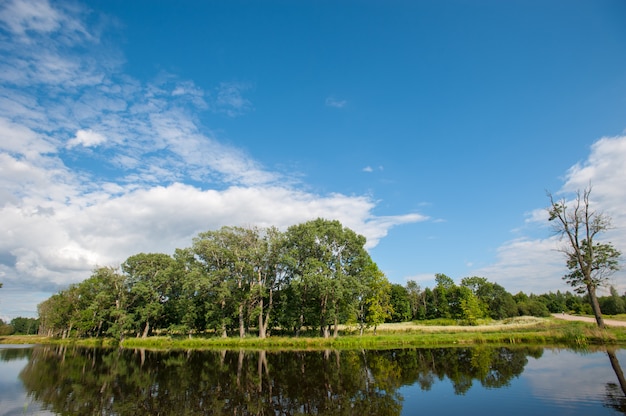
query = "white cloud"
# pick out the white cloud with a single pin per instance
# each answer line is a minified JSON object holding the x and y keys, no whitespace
{"x":370,"y":169}
{"x":536,"y":265}
{"x":21,"y":16}
{"x":86,"y":138}
{"x":56,"y":244}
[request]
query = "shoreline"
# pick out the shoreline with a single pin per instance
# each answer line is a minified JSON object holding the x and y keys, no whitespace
{"x":552,"y":331}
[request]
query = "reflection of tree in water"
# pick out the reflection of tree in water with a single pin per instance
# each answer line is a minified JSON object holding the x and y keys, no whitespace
{"x":11,"y":354}
{"x":615,"y":395}
{"x":111,"y":381}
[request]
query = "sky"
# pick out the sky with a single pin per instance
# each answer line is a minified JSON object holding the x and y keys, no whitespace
{"x":433,"y":128}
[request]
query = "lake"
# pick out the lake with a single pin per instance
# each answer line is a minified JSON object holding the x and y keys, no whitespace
{"x":442,"y":381}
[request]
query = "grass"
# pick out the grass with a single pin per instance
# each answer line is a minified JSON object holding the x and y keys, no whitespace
{"x":524,"y":330}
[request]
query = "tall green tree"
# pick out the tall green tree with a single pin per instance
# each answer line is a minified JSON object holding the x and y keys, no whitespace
{"x":415,"y":297}
{"x":216,"y":282}
{"x":612,"y":305}
{"x":149,"y":279}
{"x":374,"y":299}
{"x":270,"y":271}
{"x":590,"y":262}
{"x":443,"y":294}
{"x":25,"y":326}
{"x":325,"y":261}
{"x":400,"y":303}
{"x":494,"y":300}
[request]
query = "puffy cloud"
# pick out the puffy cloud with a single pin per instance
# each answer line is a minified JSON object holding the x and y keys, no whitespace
{"x":54,"y":244}
{"x":86,"y":138}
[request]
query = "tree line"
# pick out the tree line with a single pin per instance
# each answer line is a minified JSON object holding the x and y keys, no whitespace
{"x":232,"y":280}
{"x":250,"y":280}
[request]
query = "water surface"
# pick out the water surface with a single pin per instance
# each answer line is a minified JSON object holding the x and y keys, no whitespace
{"x":442,"y":381}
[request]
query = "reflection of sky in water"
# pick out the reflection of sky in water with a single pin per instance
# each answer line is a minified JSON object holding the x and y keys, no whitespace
{"x":561,"y":382}
{"x":571,"y":378}
{"x":13,"y":398}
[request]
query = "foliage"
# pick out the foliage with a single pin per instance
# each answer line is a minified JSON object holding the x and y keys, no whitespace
{"x":401,"y":304}
{"x":532,"y":307}
{"x":25,"y":326}
{"x":613,"y":304}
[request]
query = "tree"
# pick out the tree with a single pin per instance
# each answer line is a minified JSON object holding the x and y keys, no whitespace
{"x":415,"y":295}
{"x":590,"y":262}
{"x":24,"y":326}
{"x":374,"y":304}
{"x":148,"y":278}
{"x":442,"y":292}
{"x":401,"y":304}
{"x":326,"y":261}
{"x":494,"y":299}
{"x":611,"y":305}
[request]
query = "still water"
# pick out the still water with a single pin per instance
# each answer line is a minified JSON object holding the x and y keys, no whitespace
{"x":442,"y":381}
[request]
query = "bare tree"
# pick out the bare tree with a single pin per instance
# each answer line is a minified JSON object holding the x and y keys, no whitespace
{"x":590,"y":262}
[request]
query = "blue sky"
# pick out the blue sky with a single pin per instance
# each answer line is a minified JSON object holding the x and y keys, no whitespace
{"x":433,"y":128}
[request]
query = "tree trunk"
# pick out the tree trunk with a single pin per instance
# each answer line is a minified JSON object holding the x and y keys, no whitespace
{"x":336,"y":328}
{"x":617,"y":368}
{"x":267,"y":314}
{"x":326,"y":331}
{"x":595,"y":305}
{"x":242,"y":326}
{"x":261,"y":323}
{"x":224,"y":333}
{"x":300,"y":323}
{"x":146,"y":329}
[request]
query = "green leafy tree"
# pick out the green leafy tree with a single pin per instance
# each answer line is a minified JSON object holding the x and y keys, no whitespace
{"x":443,"y":293}
{"x":494,"y":300}
{"x":25,"y":326}
{"x":214,"y":282}
{"x":613,"y":304}
{"x":269,"y":273}
{"x":325,"y":262}
{"x":531,"y":306}
{"x":148,"y":277}
{"x":471,"y":308}
{"x":415,"y":297}
{"x":375,"y":303}
{"x":401,"y":304}
{"x":590,"y":262}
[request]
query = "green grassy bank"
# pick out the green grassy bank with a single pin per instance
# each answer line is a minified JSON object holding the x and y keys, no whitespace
{"x":535,"y":331}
